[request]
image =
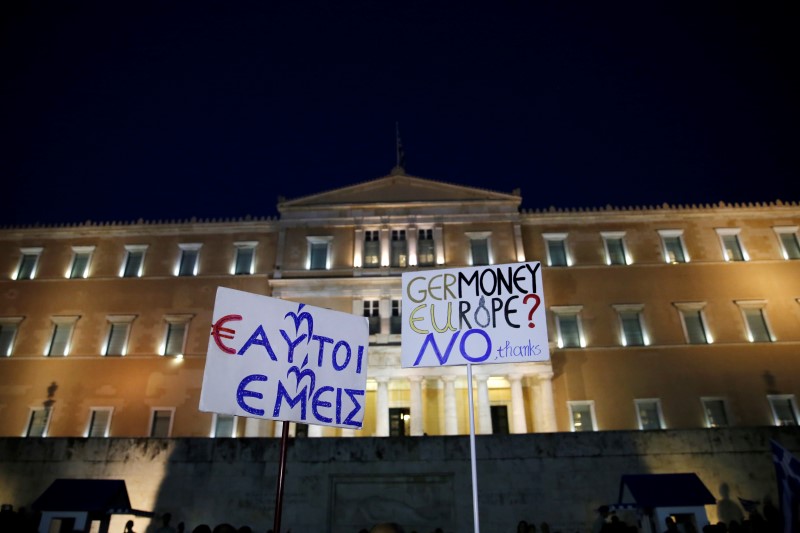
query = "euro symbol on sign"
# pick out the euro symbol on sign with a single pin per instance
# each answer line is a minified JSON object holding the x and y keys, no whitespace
{"x":218,"y":331}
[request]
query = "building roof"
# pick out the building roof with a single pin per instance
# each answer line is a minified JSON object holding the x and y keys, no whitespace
{"x":87,"y":495}
{"x":664,"y":490}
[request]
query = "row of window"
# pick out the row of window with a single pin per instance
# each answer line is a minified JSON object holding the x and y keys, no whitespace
{"x":582,"y":418}
{"x":399,"y":251}
{"x":569,"y":328}
{"x":649,"y":416}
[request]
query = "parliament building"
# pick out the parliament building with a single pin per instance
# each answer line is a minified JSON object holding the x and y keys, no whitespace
{"x":658,"y":317}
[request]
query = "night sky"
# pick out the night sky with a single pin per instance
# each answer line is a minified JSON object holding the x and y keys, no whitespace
{"x":120,"y":110}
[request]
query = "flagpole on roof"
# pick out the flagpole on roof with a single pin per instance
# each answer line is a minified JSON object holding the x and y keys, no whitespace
{"x":400,"y":163}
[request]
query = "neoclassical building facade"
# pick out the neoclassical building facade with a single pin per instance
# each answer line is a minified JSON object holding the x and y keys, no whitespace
{"x":658,"y":317}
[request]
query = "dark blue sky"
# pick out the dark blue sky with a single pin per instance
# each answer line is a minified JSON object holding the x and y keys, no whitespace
{"x":166,"y":109}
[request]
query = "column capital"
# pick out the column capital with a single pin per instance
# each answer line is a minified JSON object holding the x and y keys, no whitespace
{"x":415,"y":379}
{"x":545,"y":376}
{"x":448,"y":378}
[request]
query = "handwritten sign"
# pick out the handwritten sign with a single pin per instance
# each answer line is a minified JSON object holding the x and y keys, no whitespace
{"x":474,"y":315}
{"x":280,"y":360}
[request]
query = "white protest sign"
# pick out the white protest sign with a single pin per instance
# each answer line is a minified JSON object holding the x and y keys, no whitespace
{"x":281,"y":360}
{"x":474,"y":315}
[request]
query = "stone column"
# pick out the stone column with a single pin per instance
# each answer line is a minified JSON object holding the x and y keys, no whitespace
{"x":382,"y":408}
{"x":547,"y":420}
{"x":518,"y":424}
{"x":411,"y":240}
{"x":416,"y":405}
{"x":450,"y":413}
{"x":347,"y":432}
{"x":315,"y":430}
{"x":484,"y":411}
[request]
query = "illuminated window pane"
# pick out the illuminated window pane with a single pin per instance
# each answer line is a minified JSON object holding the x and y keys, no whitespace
{"x":224,"y":426}
{"x":372,"y":312}
{"x":27,"y":266}
{"x":674,"y":249}
{"x":117,"y":338}
{"x":372,"y":249}
{"x":8,"y":332}
{"x":176,"y":332}
{"x":319,"y":255}
{"x":399,"y":249}
{"x":37,"y":423}
{"x":716,"y":413}
{"x":757,"y":325}
{"x":99,"y":421}
{"x":649,"y":414}
{"x":616,"y":251}
{"x":695,"y":330}
{"x":244,"y":260}
{"x":188,"y":262}
{"x":80,"y":264}
{"x":133,"y":263}
{"x":399,"y":420}
{"x":569,"y":331}
{"x":784,"y":410}
{"x":632,"y":328}
{"x":733,"y":249}
{"x":557,"y":252}
{"x":480,"y":251}
{"x":790,"y":245}
{"x":582,"y":419}
{"x":162,"y":419}
{"x":425,"y":248}
{"x":59,"y":342}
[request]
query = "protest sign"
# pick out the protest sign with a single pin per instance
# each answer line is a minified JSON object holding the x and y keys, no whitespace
{"x":474,"y":315}
{"x":280,"y":360}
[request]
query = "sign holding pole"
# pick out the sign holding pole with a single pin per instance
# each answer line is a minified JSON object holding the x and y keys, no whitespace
{"x":474,"y":316}
{"x":285,"y":361}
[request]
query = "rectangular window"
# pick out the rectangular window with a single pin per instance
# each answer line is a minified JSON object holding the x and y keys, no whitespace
{"x":582,"y":416}
{"x":190,"y":253}
{"x":399,"y":419}
{"x":630,"y":317}
{"x":38,"y":422}
{"x":672,"y":246}
{"x":176,"y":336}
{"x":694,"y":324}
{"x":426,"y":250}
{"x":8,"y":333}
{"x":244,"y":262}
{"x":161,"y":422}
{"x":372,"y":248}
{"x":372,"y":312}
{"x":480,"y":249}
{"x":568,"y":327}
{"x":61,"y":337}
{"x":224,"y":426}
{"x":99,"y":422}
{"x":716,"y":412}
{"x":81,"y":255}
{"x":756,"y":321}
{"x":556,"y":249}
{"x":648,"y":412}
{"x":614,"y":245}
{"x":784,"y":409}
{"x":732,"y":249}
{"x":396,"y":321}
{"x":117,"y":342}
{"x":499,"y":415}
{"x":28,"y":263}
{"x":134,"y":261}
{"x":787,"y":236}
{"x":319,"y":252}
{"x":399,"y":250}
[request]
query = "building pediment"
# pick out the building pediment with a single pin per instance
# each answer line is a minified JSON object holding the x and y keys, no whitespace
{"x":397,"y":190}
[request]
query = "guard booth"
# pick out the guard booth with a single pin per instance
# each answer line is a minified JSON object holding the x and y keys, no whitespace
{"x":651,"y":498}
{"x":70,"y":505}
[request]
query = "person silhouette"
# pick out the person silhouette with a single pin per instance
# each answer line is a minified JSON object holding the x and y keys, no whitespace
{"x":128,"y":527}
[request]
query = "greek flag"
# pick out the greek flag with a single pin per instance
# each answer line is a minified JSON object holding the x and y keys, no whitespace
{"x":787,"y":472}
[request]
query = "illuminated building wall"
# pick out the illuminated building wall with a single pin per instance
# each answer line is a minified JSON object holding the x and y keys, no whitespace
{"x":667,"y":317}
